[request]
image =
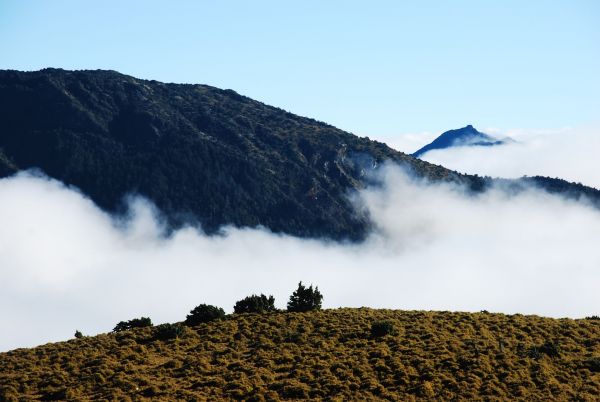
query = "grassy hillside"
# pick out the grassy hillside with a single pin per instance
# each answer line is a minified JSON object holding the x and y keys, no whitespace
{"x":329,"y":355}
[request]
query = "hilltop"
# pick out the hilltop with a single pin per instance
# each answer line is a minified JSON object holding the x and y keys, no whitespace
{"x":462,"y":137}
{"x":201,"y":154}
{"x":321,"y":355}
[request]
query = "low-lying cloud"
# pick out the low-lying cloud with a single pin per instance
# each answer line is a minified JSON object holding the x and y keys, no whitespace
{"x":66,"y":265}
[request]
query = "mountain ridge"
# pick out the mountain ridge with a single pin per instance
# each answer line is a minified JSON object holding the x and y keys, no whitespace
{"x":201,"y":154}
{"x":229,"y":159}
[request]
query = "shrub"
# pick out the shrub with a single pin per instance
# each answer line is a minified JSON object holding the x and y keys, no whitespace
{"x":204,"y":313}
{"x":305,"y":299}
{"x":592,"y":364}
{"x":534,"y":353}
{"x":9,"y":393}
{"x":551,"y":349}
{"x":255,"y":304}
{"x":295,"y":390}
{"x":78,"y":334}
{"x":135,"y":323}
{"x":165,"y":332}
{"x":382,"y":328}
{"x":593,"y":317}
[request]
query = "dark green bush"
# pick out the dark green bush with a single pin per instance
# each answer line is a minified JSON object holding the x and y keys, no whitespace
{"x":255,"y":304}
{"x":548,"y":348}
{"x":164,"y":332}
{"x":534,"y":353}
{"x":204,"y":313}
{"x":9,"y":393}
{"x":78,"y":334}
{"x":382,"y":328}
{"x":593,"y":317}
{"x":134,"y":323}
{"x":592,"y":364}
{"x":551,"y":349}
{"x":305,"y":299}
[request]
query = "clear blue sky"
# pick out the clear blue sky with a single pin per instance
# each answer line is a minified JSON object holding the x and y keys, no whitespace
{"x":370,"y":67}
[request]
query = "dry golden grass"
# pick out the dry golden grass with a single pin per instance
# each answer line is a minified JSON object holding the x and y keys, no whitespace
{"x":323,"y":355}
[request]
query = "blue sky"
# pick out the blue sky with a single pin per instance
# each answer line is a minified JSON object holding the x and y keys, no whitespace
{"x":374,"y":68}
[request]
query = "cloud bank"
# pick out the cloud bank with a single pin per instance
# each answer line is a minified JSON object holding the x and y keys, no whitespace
{"x":66,"y":265}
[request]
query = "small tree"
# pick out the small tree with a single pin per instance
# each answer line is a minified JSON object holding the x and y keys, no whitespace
{"x":164,"y":332}
{"x":305,"y":299}
{"x":134,"y":323}
{"x":204,"y":313}
{"x":255,"y":304}
{"x":78,"y":334}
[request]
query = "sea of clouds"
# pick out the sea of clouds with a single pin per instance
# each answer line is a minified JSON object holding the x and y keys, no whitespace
{"x":67,"y":265}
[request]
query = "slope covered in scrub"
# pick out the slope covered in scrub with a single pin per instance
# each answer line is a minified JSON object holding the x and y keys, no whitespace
{"x":321,"y":355}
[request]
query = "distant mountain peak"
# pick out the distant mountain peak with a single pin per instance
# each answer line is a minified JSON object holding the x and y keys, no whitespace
{"x":466,"y":136}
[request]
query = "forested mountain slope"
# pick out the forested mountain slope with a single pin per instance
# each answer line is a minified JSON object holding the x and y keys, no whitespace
{"x":201,"y":154}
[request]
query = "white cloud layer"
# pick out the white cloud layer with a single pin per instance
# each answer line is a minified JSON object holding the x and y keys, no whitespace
{"x":66,"y":265}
